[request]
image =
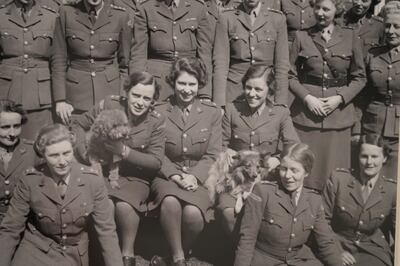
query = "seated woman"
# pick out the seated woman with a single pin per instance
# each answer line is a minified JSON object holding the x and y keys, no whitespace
{"x":141,"y":154}
{"x":279,"y":217}
{"x":52,"y":206}
{"x":16,"y":154}
{"x":254,"y":122}
{"x":360,"y":205}
{"x":193,"y":142}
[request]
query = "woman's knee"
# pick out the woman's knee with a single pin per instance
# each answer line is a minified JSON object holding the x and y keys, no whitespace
{"x":192,"y":215}
{"x":171,"y":205}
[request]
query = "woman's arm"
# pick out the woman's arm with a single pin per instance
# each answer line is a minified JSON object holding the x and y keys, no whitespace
{"x":124,"y":48}
{"x":250,"y":226}
{"x":281,"y":61}
{"x":14,"y":223}
{"x":139,"y":47}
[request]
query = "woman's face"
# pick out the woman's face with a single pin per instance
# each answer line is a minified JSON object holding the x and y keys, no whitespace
{"x":292,"y":174}
{"x":324,"y":12}
{"x":186,"y":88}
{"x":59,"y":158}
{"x":10,"y":128}
{"x":360,"y":7}
{"x":371,"y":159}
{"x":140,"y":98}
{"x":392,"y":29}
{"x":256,"y":91}
{"x":94,"y":2}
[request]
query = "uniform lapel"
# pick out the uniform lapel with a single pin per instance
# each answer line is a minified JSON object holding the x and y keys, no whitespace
{"x":16,"y":159}
{"x":162,"y":9}
{"x":302,"y":203}
{"x":265,"y":117}
{"x":386,"y":57}
{"x":376,"y":195}
{"x":15,"y":16}
{"x":35,"y":16}
{"x":245,"y":114}
{"x":243,"y":17}
{"x":355,"y":191}
{"x":82,"y":16}
{"x":317,"y":37}
{"x":212,"y":8}
{"x":284,"y":200}
{"x":194,"y":116}
{"x":47,"y":187}
{"x":175,"y":116}
{"x":337,"y":37}
{"x":104,"y":16}
{"x":182,"y":10}
{"x":75,"y":182}
{"x":261,"y":20}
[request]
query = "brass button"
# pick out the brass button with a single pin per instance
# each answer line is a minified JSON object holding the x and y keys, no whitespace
{"x":64,"y":237}
{"x":324,"y":88}
{"x":6,"y":202}
{"x":92,"y":32}
{"x":271,"y":221}
{"x":382,"y":216}
{"x":110,"y":39}
{"x":91,"y":60}
{"x":357,"y":242}
{"x":64,"y":248}
{"x":361,"y":222}
{"x":326,"y":50}
{"x":25,"y":42}
{"x":252,"y":133}
{"x":86,"y":214}
{"x":175,"y":38}
{"x":253,"y":61}
{"x":40,"y":214}
{"x":184,"y":168}
{"x":325,"y":62}
{"x":64,"y":226}
{"x":7,"y":182}
{"x":294,"y":219}
{"x":184,"y":135}
{"x":174,"y":22}
{"x":26,"y":56}
{"x":93,"y":74}
{"x":325,"y":75}
{"x":251,"y":34}
{"x":390,"y":91}
{"x":289,"y":249}
{"x":302,"y":21}
{"x":91,"y":47}
{"x":389,"y":78}
{"x":184,"y":149}
{"x":292,"y":235}
{"x":7,"y":192}
{"x":25,"y":29}
{"x":391,"y":105}
{"x":25,"y":70}
{"x":63,"y":211}
{"x":142,"y":146}
{"x":389,"y":66}
{"x":342,"y":208}
{"x":252,"y":145}
{"x":252,"y":48}
{"x":302,"y":11}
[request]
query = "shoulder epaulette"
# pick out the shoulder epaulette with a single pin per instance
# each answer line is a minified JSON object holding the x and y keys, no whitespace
{"x":268,"y":182}
{"x":377,"y":18}
{"x":5,"y":4}
{"x":49,"y":8}
{"x":161,"y":103}
{"x":117,"y":7}
{"x":89,"y":170}
{"x":281,"y":105}
{"x":142,"y":2}
{"x":208,"y":103}
{"x":343,"y":170}
{"x":27,"y":141}
{"x":228,"y":8}
{"x":201,"y":1}
{"x":311,"y":190}
{"x":31,"y":171}
{"x":255,"y":197}
{"x":154,"y":113}
{"x":117,"y":98}
{"x":275,"y":10}
{"x":389,"y":180}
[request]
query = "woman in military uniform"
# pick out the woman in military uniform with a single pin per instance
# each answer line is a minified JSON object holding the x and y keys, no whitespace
{"x":16,"y":154}
{"x":92,"y":49}
{"x":142,"y":153}
{"x":251,"y":34}
{"x":280,"y":217}
{"x":193,"y":142}
{"x":52,"y":206}
{"x":327,"y":73}
{"x":27,"y":59}
{"x":254,"y":123}
{"x":166,"y":30}
{"x":361,"y":206}
{"x":382,"y":115}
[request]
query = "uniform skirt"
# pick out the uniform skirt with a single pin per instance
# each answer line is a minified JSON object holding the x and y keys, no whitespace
{"x":161,"y":188}
{"x":225,"y":200}
{"x":331,"y":148}
{"x":133,"y":191}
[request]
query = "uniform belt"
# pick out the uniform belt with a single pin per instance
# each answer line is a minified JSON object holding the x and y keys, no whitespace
{"x":29,"y":62}
{"x":292,"y":34}
{"x":279,"y":253}
{"x":357,"y":236}
{"x":324,"y":82}
{"x":170,"y":55}
{"x":68,"y":241}
{"x":387,"y":99}
{"x":89,"y":65}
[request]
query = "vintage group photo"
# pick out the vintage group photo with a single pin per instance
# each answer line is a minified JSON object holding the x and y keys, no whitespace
{"x":199,"y":132}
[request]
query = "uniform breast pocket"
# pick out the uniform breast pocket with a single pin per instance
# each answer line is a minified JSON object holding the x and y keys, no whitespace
{"x":76,"y":40}
{"x":239,"y":43}
{"x":344,"y":211}
{"x":158,"y":33}
{"x":81,"y":213}
{"x":200,"y":141}
{"x":45,"y":219}
{"x":306,"y":56}
{"x":109,"y":42}
{"x":240,"y":140}
{"x":272,"y":221}
{"x":343,"y":59}
{"x":43,"y":39}
{"x":268,"y":143}
{"x":378,"y":216}
{"x":9,"y":38}
{"x":189,"y":29}
{"x":139,"y":142}
{"x":308,"y":221}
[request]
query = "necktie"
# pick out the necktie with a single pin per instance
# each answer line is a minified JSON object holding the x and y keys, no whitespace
{"x":366,"y":191}
{"x":62,"y":188}
{"x":294,"y":198}
{"x":5,"y":158}
{"x":174,"y":6}
{"x":326,"y":35}
{"x":92,"y":15}
{"x":185,"y":114}
{"x":24,"y":14}
{"x":253,"y":16}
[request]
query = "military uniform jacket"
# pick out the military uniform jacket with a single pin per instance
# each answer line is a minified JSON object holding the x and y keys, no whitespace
{"x":383,"y":116}
{"x":299,"y":16}
{"x":23,"y":158}
{"x":93,"y":59}
{"x":56,"y":231}
{"x":146,"y":140}
{"x":359,"y":225}
{"x":370,"y":29}
{"x":192,"y":146}
{"x":238,"y":45}
{"x":161,"y":36}
{"x":26,"y":55}
{"x":341,"y":58}
{"x":274,"y":231}
{"x":241,"y":131}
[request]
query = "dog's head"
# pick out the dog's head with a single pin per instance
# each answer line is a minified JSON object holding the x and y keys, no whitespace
{"x":248,"y":163}
{"x":111,"y":124}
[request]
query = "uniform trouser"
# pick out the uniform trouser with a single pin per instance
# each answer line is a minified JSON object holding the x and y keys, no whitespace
{"x":390,"y":168}
{"x":36,"y":120}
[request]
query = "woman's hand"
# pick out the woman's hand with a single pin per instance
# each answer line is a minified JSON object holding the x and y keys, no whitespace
{"x":348,"y":259}
{"x":114,"y":184}
{"x":64,"y":111}
{"x":331,"y":103}
{"x":117,"y":147}
{"x":190,"y":181}
{"x":315,"y":105}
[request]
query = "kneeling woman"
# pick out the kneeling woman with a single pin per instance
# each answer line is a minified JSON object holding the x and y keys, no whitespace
{"x":52,"y":205}
{"x":280,"y":217}
{"x":361,"y":206}
{"x":193,"y":142}
{"x":141,"y":154}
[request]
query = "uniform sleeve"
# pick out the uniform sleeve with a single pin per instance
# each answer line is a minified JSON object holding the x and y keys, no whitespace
{"x":357,"y":73}
{"x":204,"y":50}
{"x":329,"y":197}
{"x":59,"y":64}
{"x":221,"y":60}
{"x":288,"y":134}
{"x":168,"y":168}
{"x":125,"y":40}
{"x":200,"y":170}
{"x":281,"y":61}
{"x":227,"y":126}
{"x":250,"y":226}
{"x":139,"y":49}
{"x":152,"y":158}
{"x":329,"y":250}
{"x":104,"y":224}
{"x":14,"y":221}
{"x":295,"y":86}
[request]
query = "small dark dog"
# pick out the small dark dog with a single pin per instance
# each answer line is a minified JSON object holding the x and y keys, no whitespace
{"x":108,"y":125}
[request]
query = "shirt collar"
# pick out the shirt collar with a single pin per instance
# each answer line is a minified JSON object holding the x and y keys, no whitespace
{"x":329,"y":29}
{"x":98,"y":8}
{"x":256,"y":9}
{"x":65,"y":181}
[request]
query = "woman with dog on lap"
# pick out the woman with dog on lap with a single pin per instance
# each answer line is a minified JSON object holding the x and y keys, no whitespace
{"x":254,"y":122}
{"x":141,"y":154}
{"x":193,"y":142}
{"x":280,"y":217}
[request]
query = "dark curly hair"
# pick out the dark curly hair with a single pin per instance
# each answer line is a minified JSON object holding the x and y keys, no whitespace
{"x":52,"y":134}
{"x":12,"y":107}
{"x":143,"y":78}
{"x":192,"y":66}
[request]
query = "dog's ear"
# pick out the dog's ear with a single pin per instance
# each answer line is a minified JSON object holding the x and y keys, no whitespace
{"x":236,"y":156}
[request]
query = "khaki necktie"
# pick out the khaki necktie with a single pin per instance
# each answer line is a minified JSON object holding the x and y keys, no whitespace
{"x":62,"y":188}
{"x":326,"y":35}
{"x":253,"y":17}
{"x":24,"y":14}
{"x":294,"y":198}
{"x":185,"y":114}
{"x":174,"y":6}
{"x":92,"y":15}
{"x":366,"y":190}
